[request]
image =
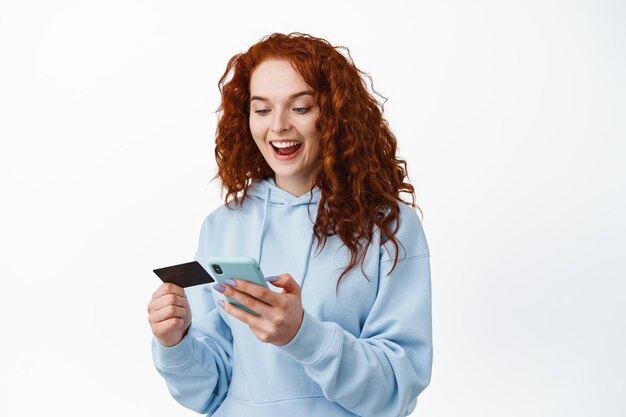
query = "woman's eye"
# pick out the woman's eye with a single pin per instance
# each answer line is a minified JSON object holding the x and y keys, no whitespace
{"x":262,"y":112}
{"x":301,"y":110}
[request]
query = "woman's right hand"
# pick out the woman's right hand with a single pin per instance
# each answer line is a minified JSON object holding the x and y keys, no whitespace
{"x":169,"y":314}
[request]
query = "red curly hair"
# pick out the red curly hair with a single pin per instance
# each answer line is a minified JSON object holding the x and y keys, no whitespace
{"x":360,"y":176}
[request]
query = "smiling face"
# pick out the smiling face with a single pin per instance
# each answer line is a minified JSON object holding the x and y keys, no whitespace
{"x":283,"y":114}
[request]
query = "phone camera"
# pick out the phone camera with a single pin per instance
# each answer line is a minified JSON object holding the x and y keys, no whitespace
{"x":217,"y":268}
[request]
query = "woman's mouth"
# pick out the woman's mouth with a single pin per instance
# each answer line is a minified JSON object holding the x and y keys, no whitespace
{"x":285,"y":149}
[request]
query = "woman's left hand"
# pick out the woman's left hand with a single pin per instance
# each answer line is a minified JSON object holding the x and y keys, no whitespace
{"x":280,"y":313}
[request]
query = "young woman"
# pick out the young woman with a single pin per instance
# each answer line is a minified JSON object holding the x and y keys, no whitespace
{"x":313,"y":189}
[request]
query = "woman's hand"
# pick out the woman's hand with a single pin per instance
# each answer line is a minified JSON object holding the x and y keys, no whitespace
{"x":169,"y":314}
{"x":280,"y":313}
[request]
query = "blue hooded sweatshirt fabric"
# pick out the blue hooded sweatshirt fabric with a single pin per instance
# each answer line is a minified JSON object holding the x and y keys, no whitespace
{"x":364,"y":349}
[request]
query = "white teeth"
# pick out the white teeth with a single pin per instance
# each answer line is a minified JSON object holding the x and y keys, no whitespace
{"x":284,"y":144}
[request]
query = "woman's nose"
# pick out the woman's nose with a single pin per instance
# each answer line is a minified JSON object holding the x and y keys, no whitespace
{"x":280,"y":122}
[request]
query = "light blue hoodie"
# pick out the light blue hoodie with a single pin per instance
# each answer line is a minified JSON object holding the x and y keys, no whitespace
{"x":365,"y":350}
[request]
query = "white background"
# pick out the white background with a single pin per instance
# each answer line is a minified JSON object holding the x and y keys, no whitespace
{"x":510,"y":114}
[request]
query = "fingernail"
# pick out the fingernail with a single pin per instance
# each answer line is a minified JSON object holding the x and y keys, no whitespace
{"x":221,"y":303}
{"x":231,"y":282}
{"x":271,"y":279}
{"x":219,"y":287}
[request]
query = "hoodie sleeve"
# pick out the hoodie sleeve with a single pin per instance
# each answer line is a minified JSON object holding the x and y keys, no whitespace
{"x":198,"y":370}
{"x":381,"y":372}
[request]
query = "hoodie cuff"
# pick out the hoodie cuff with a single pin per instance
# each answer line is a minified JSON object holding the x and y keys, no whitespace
{"x":312,"y":340}
{"x":172,"y":356}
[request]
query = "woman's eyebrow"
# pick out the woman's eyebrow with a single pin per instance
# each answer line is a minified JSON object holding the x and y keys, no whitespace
{"x":291,"y":97}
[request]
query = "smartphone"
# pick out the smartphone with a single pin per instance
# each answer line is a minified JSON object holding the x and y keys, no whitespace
{"x":244,"y":267}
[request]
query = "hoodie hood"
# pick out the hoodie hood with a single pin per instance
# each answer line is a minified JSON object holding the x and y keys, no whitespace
{"x":267,"y":190}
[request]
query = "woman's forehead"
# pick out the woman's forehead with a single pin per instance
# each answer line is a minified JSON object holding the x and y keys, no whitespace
{"x":277,"y":78}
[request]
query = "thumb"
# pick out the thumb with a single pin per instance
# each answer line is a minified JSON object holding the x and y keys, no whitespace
{"x":286,"y":282}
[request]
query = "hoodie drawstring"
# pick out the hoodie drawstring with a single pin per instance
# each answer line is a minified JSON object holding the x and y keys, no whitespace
{"x":264,"y":226}
{"x":306,"y":260}
{"x":264,"y":223}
